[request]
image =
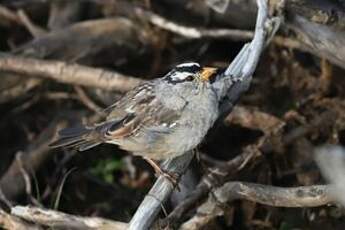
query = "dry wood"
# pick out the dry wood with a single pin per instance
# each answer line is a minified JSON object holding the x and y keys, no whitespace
{"x":304,"y":196}
{"x":68,"y":73}
{"x":7,"y":17}
{"x":222,"y":171}
{"x":151,"y":205}
{"x":82,"y":42}
{"x":317,"y":28}
{"x":13,"y":182}
{"x":324,"y":12}
{"x":12,"y":86}
{"x":193,"y":32}
{"x":10,"y":222}
{"x":60,"y":220}
{"x":64,"y":13}
{"x":220,"y":33}
{"x":319,"y":25}
{"x":330,"y":160}
{"x":35,"y":30}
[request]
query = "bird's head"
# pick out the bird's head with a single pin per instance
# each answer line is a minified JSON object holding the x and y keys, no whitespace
{"x":190,"y":76}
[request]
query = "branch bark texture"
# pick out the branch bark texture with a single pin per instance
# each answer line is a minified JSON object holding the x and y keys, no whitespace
{"x":304,"y":196}
{"x":68,"y":73}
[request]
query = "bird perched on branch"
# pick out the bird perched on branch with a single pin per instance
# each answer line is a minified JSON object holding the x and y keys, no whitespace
{"x":160,"y":119}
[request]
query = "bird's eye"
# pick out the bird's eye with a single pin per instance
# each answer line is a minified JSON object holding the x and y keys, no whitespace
{"x":189,"y":78}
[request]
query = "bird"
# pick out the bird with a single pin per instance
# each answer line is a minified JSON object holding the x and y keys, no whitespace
{"x":157,"y":120}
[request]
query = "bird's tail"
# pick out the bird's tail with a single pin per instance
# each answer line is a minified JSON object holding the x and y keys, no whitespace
{"x":82,"y":138}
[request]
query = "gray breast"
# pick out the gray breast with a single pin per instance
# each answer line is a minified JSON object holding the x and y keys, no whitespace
{"x":197,"y":118}
{"x":198,"y":114}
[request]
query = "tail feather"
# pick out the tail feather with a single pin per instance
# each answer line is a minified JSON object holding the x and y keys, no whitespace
{"x":74,"y":131}
{"x":87,"y":145}
{"x":77,"y":137}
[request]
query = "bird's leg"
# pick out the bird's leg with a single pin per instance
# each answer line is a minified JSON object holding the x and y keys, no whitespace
{"x":197,"y":155}
{"x":159,"y":171}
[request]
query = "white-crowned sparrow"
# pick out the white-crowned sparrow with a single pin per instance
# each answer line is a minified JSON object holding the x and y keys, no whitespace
{"x":160,"y":119}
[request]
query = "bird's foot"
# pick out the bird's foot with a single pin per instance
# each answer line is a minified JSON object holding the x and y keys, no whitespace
{"x":172,"y":177}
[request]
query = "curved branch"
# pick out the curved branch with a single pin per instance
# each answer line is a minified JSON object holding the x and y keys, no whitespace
{"x":233,"y":83}
{"x":148,"y":210}
{"x":304,"y":196}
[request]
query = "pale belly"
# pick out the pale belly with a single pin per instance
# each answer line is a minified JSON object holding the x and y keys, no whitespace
{"x":185,"y":136}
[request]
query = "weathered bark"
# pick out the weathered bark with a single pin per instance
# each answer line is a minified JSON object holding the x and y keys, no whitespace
{"x":319,"y":25}
{"x":229,"y":86}
{"x":89,"y":42}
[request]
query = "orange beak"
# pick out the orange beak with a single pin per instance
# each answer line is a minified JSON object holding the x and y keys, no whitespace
{"x":207,"y":73}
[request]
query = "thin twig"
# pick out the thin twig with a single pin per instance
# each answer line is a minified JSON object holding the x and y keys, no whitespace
{"x":35,"y":30}
{"x":195,"y":33}
{"x":304,"y":196}
{"x":59,"y":96}
{"x":4,"y":199}
{"x":86,"y":100}
{"x":222,"y":171}
{"x":219,"y":33}
{"x":212,"y":179}
{"x":12,"y":183}
{"x":26,"y":177}
{"x":8,"y":17}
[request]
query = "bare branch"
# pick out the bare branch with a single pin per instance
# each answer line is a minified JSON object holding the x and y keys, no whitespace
{"x":159,"y":193}
{"x":192,"y":32}
{"x":203,"y":188}
{"x":304,"y":196}
{"x":86,"y":100}
{"x":239,"y":75}
{"x":10,"y":222}
{"x":330,"y":160}
{"x":55,"y":219}
{"x":4,"y":199}
{"x":7,"y":17}
{"x":219,"y":33}
{"x":68,"y":73}
{"x":35,"y":30}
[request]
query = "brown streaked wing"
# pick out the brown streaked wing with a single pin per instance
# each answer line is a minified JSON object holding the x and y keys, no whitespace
{"x":143,"y":109}
{"x":131,"y":99}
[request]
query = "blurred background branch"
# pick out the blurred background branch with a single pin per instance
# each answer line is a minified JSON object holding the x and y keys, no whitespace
{"x":62,"y":62}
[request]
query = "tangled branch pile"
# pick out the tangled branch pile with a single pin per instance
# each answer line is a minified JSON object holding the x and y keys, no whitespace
{"x":62,"y":62}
